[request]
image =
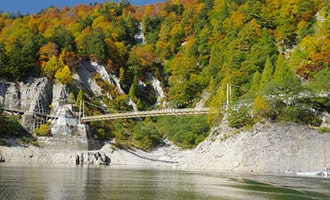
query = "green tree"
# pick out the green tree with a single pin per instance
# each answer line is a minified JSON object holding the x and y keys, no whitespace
{"x":320,"y":82}
{"x":267,"y":75}
{"x":146,"y":136}
{"x":255,"y":84}
{"x":240,"y":117}
{"x":94,"y":45}
{"x":133,"y":89}
{"x":80,"y":97}
{"x":71,"y":98}
{"x":285,"y":80}
{"x":64,"y":39}
{"x":3,"y":60}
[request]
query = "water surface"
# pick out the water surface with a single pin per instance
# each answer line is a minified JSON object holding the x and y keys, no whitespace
{"x":35,"y":181}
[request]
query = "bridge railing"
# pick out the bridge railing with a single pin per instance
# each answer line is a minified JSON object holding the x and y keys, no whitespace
{"x":136,"y":114}
{"x":20,"y":111}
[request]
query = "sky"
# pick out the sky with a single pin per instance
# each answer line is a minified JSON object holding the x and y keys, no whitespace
{"x":34,"y":6}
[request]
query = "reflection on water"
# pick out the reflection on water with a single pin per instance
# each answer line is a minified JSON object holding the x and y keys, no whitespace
{"x":76,"y":182}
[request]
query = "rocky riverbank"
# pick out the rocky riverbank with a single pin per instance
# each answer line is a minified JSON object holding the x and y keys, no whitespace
{"x":273,"y":148}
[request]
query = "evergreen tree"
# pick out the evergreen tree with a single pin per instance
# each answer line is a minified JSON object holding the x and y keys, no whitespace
{"x":80,"y":97}
{"x":3,"y":60}
{"x":133,"y":89}
{"x":255,"y":85}
{"x":285,"y":82}
{"x":267,"y":75}
{"x":71,"y":98}
{"x":64,"y":39}
{"x":320,"y":82}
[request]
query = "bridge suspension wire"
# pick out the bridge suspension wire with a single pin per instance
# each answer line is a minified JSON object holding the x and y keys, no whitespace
{"x":153,"y":113}
{"x":97,"y":106}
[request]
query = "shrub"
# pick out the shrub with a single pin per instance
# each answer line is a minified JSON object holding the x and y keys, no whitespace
{"x":324,"y":129}
{"x":43,"y":130}
{"x":9,"y":126}
{"x":146,"y":136}
{"x":239,"y":118}
{"x":184,"y":131}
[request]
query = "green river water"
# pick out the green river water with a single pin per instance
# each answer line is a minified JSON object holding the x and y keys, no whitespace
{"x":65,"y":182}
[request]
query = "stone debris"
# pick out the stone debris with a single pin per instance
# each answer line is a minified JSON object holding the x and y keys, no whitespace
{"x":92,"y":158}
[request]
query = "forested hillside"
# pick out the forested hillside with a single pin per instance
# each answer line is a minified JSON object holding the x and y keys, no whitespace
{"x":274,"y":54}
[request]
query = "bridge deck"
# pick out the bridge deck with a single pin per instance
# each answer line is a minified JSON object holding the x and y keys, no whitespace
{"x":164,"y":112}
{"x":126,"y":115}
{"x":25,"y":111}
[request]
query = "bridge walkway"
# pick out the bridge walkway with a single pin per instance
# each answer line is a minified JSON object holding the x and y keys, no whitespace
{"x":152,"y":113}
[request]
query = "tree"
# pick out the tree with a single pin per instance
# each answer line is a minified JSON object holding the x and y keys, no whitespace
{"x":261,"y":108}
{"x":71,"y":98}
{"x":124,"y":3}
{"x":15,"y":60}
{"x":267,"y":75}
{"x":320,"y":82}
{"x":285,"y":81}
{"x":51,"y":67}
{"x":29,"y":55}
{"x":255,"y":85}
{"x":80,"y":97}
{"x":133,"y":89}
{"x":240,"y":117}
{"x":3,"y":60}
{"x":64,"y":39}
{"x":94,"y":45}
{"x":64,"y":75}
{"x":286,"y":87}
{"x":48,"y":50}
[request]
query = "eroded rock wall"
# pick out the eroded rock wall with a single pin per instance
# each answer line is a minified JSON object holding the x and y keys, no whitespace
{"x":276,"y":148}
{"x":32,"y":95}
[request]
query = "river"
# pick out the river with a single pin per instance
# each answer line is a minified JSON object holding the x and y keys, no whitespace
{"x":66,"y":182}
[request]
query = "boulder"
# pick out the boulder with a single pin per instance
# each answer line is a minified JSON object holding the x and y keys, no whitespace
{"x":92,"y":158}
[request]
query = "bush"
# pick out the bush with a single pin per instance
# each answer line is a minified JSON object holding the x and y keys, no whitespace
{"x":184,"y":131}
{"x":239,"y":118}
{"x":9,"y":126}
{"x":146,"y":136}
{"x":299,"y":114}
{"x":43,"y":130}
{"x":324,"y":130}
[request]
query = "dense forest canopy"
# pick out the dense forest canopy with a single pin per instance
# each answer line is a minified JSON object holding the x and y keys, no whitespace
{"x":275,"y":54}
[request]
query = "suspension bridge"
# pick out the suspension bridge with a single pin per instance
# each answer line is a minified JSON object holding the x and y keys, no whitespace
{"x":151,"y":113}
{"x":20,"y":111}
{"x":125,"y":115}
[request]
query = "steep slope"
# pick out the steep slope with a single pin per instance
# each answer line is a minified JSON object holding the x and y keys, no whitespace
{"x":275,"y":148}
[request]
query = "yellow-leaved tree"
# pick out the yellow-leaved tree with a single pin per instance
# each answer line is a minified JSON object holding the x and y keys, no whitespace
{"x":261,"y":108}
{"x":64,"y":75}
{"x":51,"y":67}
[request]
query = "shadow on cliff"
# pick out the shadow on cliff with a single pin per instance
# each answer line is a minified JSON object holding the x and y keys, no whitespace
{"x":146,"y":158}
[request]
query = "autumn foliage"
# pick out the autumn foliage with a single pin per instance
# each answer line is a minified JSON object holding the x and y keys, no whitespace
{"x":265,"y":48}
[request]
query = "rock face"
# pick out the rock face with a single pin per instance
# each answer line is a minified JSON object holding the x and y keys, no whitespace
{"x":284,"y":148}
{"x":34,"y":95}
{"x":94,"y":158}
{"x":38,"y":95}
